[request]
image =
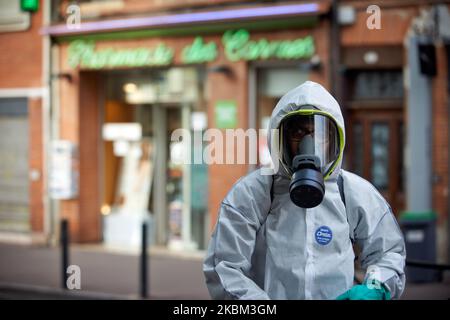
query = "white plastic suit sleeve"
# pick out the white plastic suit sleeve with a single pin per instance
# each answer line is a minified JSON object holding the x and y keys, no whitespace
{"x":228,"y":265}
{"x":376,"y":233}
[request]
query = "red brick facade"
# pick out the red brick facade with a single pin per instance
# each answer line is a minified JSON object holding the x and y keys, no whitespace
{"x":21,"y":67}
{"x":21,"y":58}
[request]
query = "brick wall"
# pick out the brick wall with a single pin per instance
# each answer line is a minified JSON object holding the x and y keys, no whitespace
{"x":394,"y":25}
{"x":68,"y":122}
{"x":21,"y":56}
{"x":90,"y":149}
{"x":221,"y":176}
{"x":80,"y":123}
{"x":36,"y":162}
{"x":21,"y":67}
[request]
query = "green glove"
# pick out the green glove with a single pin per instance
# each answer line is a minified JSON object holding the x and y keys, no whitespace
{"x":363,"y":292}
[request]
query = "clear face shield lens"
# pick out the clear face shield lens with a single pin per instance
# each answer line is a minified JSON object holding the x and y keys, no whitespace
{"x":315,"y":135}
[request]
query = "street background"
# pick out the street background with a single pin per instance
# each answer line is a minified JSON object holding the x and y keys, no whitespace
{"x":92,"y":92}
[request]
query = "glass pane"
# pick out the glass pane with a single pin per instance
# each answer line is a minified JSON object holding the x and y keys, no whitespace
{"x":379,"y":85}
{"x":358,"y":150}
{"x":276,"y":81}
{"x":199,"y":194}
{"x":175,"y":177}
{"x":156,"y":101}
{"x":380,"y":155}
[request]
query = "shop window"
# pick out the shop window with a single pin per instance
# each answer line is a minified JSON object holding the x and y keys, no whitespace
{"x":155,"y":102}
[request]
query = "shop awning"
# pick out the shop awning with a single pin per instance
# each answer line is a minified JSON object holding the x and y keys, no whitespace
{"x":254,"y":15}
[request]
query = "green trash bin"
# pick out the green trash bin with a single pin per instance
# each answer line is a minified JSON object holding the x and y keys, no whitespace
{"x":419,"y":230}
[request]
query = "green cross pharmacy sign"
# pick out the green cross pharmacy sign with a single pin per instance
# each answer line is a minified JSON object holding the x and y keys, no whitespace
{"x":226,"y":114}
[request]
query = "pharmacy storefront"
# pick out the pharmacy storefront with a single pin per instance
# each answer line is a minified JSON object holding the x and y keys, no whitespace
{"x":119,"y":96}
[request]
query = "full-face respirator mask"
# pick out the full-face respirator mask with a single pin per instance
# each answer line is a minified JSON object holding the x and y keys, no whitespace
{"x":310,"y":150}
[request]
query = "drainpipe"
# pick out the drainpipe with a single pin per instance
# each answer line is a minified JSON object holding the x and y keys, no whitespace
{"x":46,"y":119}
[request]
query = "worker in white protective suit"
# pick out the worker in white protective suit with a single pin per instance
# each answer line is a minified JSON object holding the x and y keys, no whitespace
{"x":290,"y":235}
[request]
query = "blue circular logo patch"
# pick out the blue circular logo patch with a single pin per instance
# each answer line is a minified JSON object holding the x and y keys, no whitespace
{"x":324,"y":235}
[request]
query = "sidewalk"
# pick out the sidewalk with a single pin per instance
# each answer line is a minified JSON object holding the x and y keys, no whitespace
{"x":171,"y":276}
{"x":28,"y":272}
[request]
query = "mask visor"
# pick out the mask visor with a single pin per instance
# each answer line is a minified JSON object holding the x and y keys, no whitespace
{"x":310,"y":134}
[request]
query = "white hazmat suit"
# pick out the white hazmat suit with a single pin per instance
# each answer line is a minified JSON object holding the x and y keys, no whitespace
{"x":273,"y":249}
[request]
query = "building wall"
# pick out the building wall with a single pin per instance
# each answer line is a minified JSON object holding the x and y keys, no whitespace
{"x":80,"y":124}
{"x":223,"y":176}
{"x":21,"y":67}
{"x":99,"y":9}
{"x":21,"y":57}
{"x":36,"y":163}
{"x":90,"y":155}
{"x":394,"y":25}
{"x":396,"y":19}
{"x":220,"y":87}
{"x":69,"y":124}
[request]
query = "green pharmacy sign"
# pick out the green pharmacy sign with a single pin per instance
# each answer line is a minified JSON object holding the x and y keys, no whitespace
{"x":237,"y":46}
{"x":83,"y":54}
{"x":199,"y":52}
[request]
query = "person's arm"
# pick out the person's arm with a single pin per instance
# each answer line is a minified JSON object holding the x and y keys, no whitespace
{"x":378,"y":236}
{"x":228,"y":260}
{"x":227,"y":265}
{"x":382,"y":252}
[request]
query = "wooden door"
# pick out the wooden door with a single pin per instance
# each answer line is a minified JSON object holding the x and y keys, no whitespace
{"x":375,"y":140}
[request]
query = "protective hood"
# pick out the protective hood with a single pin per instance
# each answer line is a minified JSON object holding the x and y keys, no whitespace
{"x":307,"y":94}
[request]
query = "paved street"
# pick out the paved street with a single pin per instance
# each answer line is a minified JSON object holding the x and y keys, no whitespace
{"x":103,"y":271}
{"x":28,"y":272}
